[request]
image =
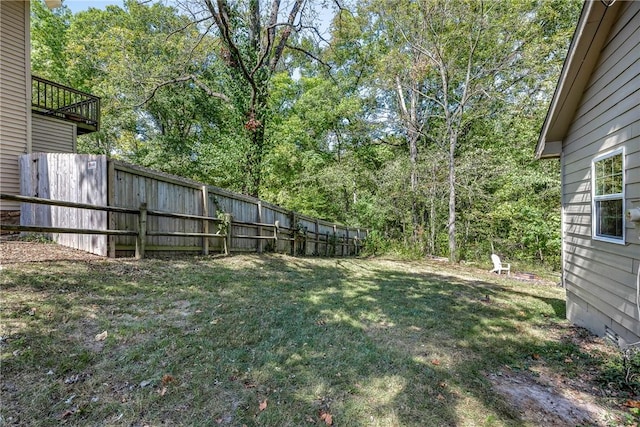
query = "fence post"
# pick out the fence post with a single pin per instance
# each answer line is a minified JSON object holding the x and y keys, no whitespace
{"x":228,"y":219}
{"x":276,"y":226}
{"x":335,"y":240}
{"x":111,"y":201}
{"x":294,"y":233}
{"x":326,"y":246}
{"x":259,"y":232}
{"x":317,"y":246}
{"x":347,"y":238}
{"x":205,"y":222}
{"x":142,"y":231}
{"x":305,"y":239}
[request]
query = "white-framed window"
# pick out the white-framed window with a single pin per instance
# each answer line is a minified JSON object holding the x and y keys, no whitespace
{"x":607,"y":173}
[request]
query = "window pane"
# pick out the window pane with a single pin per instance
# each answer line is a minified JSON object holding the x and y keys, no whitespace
{"x":609,"y":218}
{"x":608,"y":179}
{"x":616,"y":174}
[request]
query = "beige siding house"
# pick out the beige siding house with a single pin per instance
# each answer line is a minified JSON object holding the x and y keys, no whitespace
{"x":593,"y":126}
{"x":15,"y":94}
{"x":51,"y":135}
{"x":36,"y":115}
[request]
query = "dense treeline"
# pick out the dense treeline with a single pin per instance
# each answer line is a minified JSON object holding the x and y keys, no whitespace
{"x":415,"y":118}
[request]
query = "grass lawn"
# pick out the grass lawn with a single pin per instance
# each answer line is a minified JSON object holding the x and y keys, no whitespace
{"x":271,"y":341}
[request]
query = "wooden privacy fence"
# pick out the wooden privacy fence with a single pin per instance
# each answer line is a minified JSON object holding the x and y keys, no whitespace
{"x":149,"y":211}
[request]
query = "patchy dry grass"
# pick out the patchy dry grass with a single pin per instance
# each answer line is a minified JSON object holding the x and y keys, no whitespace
{"x":272,"y":341}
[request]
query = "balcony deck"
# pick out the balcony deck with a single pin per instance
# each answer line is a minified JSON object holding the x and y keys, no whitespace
{"x":53,"y":99}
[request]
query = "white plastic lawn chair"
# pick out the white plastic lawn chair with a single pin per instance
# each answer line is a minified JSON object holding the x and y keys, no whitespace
{"x":498,"y":266}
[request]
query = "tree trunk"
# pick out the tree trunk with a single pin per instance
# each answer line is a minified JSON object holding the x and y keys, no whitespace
{"x":254,"y":58}
{"x":432,"y":213}
{"x":254,"y":161}
{"x":453,"y":256}
{"x":413,"y":159}
{"x":410,"y":117}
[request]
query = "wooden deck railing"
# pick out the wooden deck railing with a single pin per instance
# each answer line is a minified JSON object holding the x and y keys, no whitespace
{"x":53,"y":99}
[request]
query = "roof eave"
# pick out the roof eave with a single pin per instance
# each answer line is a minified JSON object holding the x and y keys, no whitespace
{"x":549,"y":149}
{"x":583,"y":53}
{"x":52,"y":4}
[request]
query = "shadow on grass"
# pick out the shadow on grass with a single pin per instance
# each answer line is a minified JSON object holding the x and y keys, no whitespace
{"x":204,"y":341}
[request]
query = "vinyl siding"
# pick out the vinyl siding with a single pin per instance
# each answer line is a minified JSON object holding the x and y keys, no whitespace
{"x":600,"y":276}
{"x":14,"y":94}
{"x":51,"y":135}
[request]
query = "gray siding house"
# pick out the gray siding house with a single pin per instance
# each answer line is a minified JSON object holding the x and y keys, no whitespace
{"x":593,"y":127}
{"x":36,"y":115}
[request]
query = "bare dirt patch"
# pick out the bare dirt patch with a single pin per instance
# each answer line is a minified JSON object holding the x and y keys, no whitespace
{"x":546,"y":401}
{"x":543,"y":396}
{"x":16,"y":252}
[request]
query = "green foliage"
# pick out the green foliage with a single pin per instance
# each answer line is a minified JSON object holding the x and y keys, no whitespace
{"x":36,"y":238}
{"x":49,"y":40}
{"x":224,"y":225}
{"x":623,"y":371}
{"x":376,"y":244}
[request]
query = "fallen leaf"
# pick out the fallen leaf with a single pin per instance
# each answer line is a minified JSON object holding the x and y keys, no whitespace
{"x":166,"y":379}
{"x":162,"y":391}
{"x":327,"y":418}
{"x":633,"y":404}
{"x":440,"y":397}
{"x":568,"y":360}
{"x":442,"y":384}
{"x":435,"y":362}
{"x":102,"y":336}
{"x":263,"y":405}
{"x":66,"y":413}
{"x":536,"y":356}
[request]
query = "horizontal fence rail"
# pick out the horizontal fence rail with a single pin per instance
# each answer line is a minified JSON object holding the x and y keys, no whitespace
{"x":298,"y":237}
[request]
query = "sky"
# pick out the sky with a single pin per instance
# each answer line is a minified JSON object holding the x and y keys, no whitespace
{"x":80,"y":5}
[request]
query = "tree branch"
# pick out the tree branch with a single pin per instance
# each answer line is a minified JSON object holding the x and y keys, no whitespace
{"x":381,"y":141}
{"x":200,"y":39}
{"x":191,"y":77}
{"x":184,"y":27}
{"x":285,"y":35}
{"x":271,"y":35}
{"x":314,"y":57}
{"x":221,"y":19}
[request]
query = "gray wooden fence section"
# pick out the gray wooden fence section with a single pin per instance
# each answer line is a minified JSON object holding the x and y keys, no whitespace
{"x":77,"y":178}
{"x":115,"y":183}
